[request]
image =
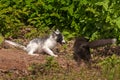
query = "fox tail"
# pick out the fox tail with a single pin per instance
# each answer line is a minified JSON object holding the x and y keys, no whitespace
{"x":101,"y":42}
{"x":15,"y":44}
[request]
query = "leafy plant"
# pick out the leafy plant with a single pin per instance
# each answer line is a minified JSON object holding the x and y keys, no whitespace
{"x":111,"y":67}
{"x":49,"y":67}
{"x":92,"y":19}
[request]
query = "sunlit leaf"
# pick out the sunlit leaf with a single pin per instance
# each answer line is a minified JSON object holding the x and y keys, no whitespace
{"x":118,"y":22}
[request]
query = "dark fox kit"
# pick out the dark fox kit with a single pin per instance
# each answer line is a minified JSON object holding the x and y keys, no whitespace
{"x":82,"y":47}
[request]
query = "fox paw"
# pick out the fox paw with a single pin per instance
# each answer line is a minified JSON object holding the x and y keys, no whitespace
{"x":34,"y":54}
{"x":55,"y":55}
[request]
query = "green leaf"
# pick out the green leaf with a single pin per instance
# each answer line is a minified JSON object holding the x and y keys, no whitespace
{"x":118,"y":22}
{"x":105,"y":4}
{"x":1,"y":39}
{"x":70,"y":9}
{"x":55,"y":14}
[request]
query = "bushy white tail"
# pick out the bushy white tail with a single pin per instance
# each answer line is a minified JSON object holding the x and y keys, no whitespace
{"x":15,"y":44}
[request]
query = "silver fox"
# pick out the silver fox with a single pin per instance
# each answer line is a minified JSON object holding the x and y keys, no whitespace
{"x":42,"y":44}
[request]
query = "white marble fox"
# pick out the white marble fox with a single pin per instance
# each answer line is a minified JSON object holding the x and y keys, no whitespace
{"x":42,"y":44}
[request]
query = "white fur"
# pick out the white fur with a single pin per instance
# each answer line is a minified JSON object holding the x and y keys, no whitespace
{"x":114,"y":40}
{"x":46,"y":47}
{"x":39,"y":46}
{"x":15,"y":44}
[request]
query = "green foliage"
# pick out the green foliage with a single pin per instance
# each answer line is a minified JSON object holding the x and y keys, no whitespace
{"x":1,"y":39}
{"x":49,"y":67}
{"x":93,"y":19}
{"x":108,"y":69}
{"x":111,"y":67}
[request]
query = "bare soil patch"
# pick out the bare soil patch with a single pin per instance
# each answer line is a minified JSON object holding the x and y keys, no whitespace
{"x":13,"y":59}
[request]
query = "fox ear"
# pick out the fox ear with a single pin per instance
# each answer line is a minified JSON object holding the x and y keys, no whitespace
{"x":57,"y":31}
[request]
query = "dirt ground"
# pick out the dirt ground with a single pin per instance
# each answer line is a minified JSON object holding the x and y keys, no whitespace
{"x":13,"y":59}
{"x":18,"y":61}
